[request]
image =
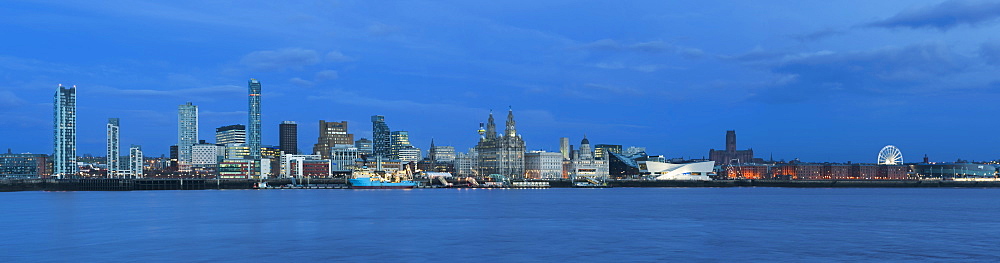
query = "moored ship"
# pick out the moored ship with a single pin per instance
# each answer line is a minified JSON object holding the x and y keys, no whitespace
{"x":368,"y":179}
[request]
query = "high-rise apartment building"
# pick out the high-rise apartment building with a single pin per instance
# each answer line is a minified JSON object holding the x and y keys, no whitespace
{"x":135,"y":161}
{"x":187,"y":134}
{"x":288,"y":137}
{"x":501,"y":154}
{"x":64,"y":154}
{"x":236,"y":133}
{"x":332,"y":134}
{"x":114,"y":148}
{"x":253,"y":124}
{"x":381,"y":140}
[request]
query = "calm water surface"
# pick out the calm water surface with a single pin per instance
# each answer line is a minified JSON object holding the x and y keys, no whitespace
{"x":605,"y":225}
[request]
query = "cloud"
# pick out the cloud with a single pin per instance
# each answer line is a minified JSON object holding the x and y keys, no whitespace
{"x":825,"y":33}
{"x":327,"y":75}
{"x":336,"y":56}
{"x":190,"y":92}
{"x":9,"y":100}
{"x":944,"y":16}
{"x":294,"y":58}
{"x":301,"y":82}
{"x":990,"y":52}
{"x":892,"y":70}
{"x":643,"y":47}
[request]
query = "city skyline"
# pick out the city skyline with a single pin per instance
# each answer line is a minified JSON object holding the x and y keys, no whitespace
{"x":836,"y":90}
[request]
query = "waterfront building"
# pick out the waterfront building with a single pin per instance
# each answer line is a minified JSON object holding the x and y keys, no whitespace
{"x":237,"y":151}
{"x":501,"y":154}
{"x":173,"y":158}
{"x":543,"y":165}
{"x":64,"y":153}
{"x":467,"y":163}
{"x":601,"y":150}
{"x":621,"y":166}
{"x":364,"y":146}
{"x":343,"y":157}
{"x":584,"y":163}
{"x":399,"y":140}
{"x":953,"y":170}
{"x":299,"y":166}
{"x":187,"y":134}
{"x":24,"y":165}
{"x":205,"y":155}
{"x":330,"y":135}
{"x":244,"y":169}
{"x":135,"y":161}
{"x":731,"y":155}
{"x":564,"y":147}
{"x":288,"y":137}
{"x":381,"y":140}
{"x":409,"y":154}
{"x":633,"y":150}
{"x":657,"y":169}
{"x":441,"y":153}
{"x":236,"y":133}
{"x":253,"y":124}
{"x":114,"y":148}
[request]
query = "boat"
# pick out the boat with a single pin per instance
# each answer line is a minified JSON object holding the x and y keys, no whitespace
{"x":365,"y":178}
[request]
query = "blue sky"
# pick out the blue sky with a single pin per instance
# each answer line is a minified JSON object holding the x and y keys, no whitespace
{"x":815,"y":80}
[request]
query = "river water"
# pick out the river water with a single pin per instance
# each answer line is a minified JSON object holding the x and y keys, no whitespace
{"x":504,"y":225}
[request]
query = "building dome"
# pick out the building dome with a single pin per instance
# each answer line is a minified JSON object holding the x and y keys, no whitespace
{"x":585,"y":141}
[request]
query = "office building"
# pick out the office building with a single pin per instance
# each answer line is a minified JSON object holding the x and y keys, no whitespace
{"x":288,"y":137}
{"x":543,"y":165}
{"x":564,"y":148}
{"x":501,"y":154}
{"x":64,"y":153}
{"x":343,"y":157}
{"x":253,"y":124}
{"x":441,"y":153}
{"x":584,"y":163}
{"x":409,"y":154}
{"x":601,"y":150}
{"x":187,"y":134}
{"x":731,"y":155}
{"x":466,"y":164}
{"x":381,"y":140}
{"x":364,"y":147}
{"x":236,"y":133}
{"x":24,"y":165}
{"x":332,"y":134}
{"x":114,"y":148}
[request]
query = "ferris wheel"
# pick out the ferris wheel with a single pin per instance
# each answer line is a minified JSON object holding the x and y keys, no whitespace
{"x":890,"y":155}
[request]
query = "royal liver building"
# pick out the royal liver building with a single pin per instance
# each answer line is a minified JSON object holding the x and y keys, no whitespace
{"x":501,"y":154}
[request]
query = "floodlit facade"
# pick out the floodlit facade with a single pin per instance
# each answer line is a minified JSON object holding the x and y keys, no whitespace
{"x":501,"y":154}
{"x":64,"y":154}
{"x":677,"y":171}
{"x":584,"y":163}
{"x":467,"y":163}
{"x":236,"y":133}
{"x":543,"y":165}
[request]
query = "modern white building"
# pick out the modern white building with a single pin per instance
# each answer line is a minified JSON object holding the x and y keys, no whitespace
{"x":187,"y":134}
{"x":543,"y":165}
{"x":659,"y":170}
{"x":409,"y":154}
{"x":64,"y":154}
{"x":114,"y":148}
{"x":343,"y":157}
{"x":135,"y":161}
{"x":205,"y":154}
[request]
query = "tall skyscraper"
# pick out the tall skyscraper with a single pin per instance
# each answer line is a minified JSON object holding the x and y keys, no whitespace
{"x":64,"y":154}
{"x":288,"y":137}
{"x":331,"y":134}
{"x":114,"y":148}
{"x":502,"y":155}
{"x":381,"y":140}
{"x":187,"y":134}
{"x":564,"y":147}
{"x":236,"y":133}
{"x":253,"y":129}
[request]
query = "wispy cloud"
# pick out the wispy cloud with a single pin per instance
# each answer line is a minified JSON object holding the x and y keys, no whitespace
{"x":293,"y":58}
{"x":646,"y":47}
{"x":944,"y":16}
{"x":821,"y":34}
{"x":190,"y":92}
{"x":327,"y":75}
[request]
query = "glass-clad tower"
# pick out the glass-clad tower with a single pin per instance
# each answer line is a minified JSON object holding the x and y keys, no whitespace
{"x":381,"y":140}
{"x":64,"y":153}
{"x":253,"y":125}
{"x":187,"y":134}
